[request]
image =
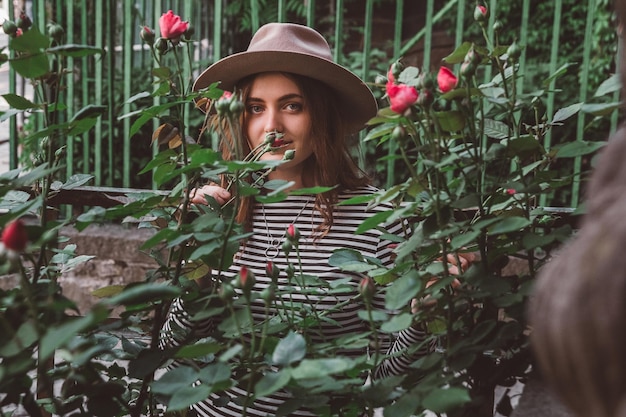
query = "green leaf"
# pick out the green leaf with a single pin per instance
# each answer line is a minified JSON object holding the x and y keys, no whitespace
{"x":108,"y":291}
{"x":608,"y":86}
{"x":373,"y":221}
{"x":458,"y":55}
{"x":25,"y":336}
{"x":184,"y":397}
{"x":397,"y":323}
{"x":75,"y":50}
{"x":319,"y":368}
{"x":31,"y":41}
{"x":88,"y":112}
{"x":76,"y":180}
{"x":602,"y":109}
{"x":442,"y":400}
{"x":578,"y":148}
{"x":509,"y":224}
{"x":198,"y":350}
{"x":401,"y":291}
{"x":290,"y":349}
{"x":566,"y":112}
{"x":144,"y":293}
{"x":559,"y":72}
{"x":31,"y":66}
{"x":451,"y":121}
{"x":58,"y":336}
{"x":272,"y":382}
{"x":496,"y":130}
{"x":19,"y":102}
{"x":404,"y":406}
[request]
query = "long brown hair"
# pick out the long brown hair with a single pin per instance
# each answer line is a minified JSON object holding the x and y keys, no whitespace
{"x":330,"y":165}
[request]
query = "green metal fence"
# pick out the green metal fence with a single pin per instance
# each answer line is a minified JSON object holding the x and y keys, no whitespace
{"x":400,"y":28}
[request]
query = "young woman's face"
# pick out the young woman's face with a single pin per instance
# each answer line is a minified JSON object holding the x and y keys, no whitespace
{"x":275,"y":103}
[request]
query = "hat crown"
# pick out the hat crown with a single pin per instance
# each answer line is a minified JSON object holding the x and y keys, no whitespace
{"x":289,"y":37}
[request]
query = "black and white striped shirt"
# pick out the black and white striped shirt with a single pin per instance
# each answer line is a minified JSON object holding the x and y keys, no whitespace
{"x":270,"y":223}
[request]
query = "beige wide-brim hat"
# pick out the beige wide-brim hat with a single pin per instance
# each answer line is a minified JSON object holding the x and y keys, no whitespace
{"x":298,"y":49}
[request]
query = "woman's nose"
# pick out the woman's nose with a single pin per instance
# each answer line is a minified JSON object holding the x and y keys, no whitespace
{"x":272,"y":121}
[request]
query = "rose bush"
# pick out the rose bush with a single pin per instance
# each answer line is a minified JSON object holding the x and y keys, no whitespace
{"x":475,"y":166}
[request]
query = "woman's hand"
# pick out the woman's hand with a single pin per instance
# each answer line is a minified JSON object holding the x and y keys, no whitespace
{"x":221,"y":195}
{"x":457,"y":264}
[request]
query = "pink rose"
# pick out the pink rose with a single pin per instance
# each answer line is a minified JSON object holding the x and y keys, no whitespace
{"x":172,"y":27}
{"x":446,"y":79}
{"x":14,"y":236}
{"x":401,"y":96}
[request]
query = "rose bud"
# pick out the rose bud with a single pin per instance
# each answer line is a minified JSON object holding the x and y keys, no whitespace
{"x":56,"y":32}
{"x":367,"y":289}
{"x":398,"y":133}
{"x":147,"y":35}
{"x":481,"y":14}
{"x":401,"y":97}
{"x":15,"y":236}
{"x":293,"y":233}
{"x":161,"y":46}
{"x":189,"y":32}
{"x":9,"y":27}
{"x":289,"y":155}
{"x":236,"y":107}
{"x":513,"y":52}
{"x":446,"y":80}
{"x":246,"y":279}
{"x":272,"y":270}
{"x":226,"y":292}
{"x":24,"y":22}
{"x":268,"y":294}
{"x":425,"y":98}
{"x":222,"y":105}
{"x":287,"y":246}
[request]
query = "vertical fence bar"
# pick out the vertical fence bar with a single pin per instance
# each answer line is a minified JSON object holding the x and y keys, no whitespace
{"x":254,"y":12}
{"x":337,"y":52}
{"x":310,"y":13}
{"x":13,"y":131}
{"x":127,"y":69}
{"x":460,"y":20}
{"x":367,"y":47}
{"x":523,"y":39}
{"x":85,"y":88}
{"x":111,"y":14}
{"x":282,"y":11}
{"x":584,"y":87}
{"x":428,"y":38}
{"x":69,"y":31}
{"x":397,"y":44}
{"x":98,"y":91}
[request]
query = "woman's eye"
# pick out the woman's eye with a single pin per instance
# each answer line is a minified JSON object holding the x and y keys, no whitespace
{"x":294,"y":106}
{"x":254,"y":109}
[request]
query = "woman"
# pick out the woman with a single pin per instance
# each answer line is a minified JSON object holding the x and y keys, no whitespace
{"x":294,"y":92}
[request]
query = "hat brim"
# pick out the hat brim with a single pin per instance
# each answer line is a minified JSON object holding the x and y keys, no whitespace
{"x":357,"y":99}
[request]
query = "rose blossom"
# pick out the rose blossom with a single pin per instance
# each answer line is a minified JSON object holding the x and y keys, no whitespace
{"x":446,"y":79}
{"x":172,"y":27}
{"x":14,"y":236}
{"x":401,"y":96}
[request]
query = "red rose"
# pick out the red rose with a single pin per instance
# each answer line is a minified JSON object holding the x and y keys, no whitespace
{"x":510,"y":191}
{"x":172,"y":27}
{"x":14,"y":236}
{"x":401,"y":96}
{"x":446,"y":79}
